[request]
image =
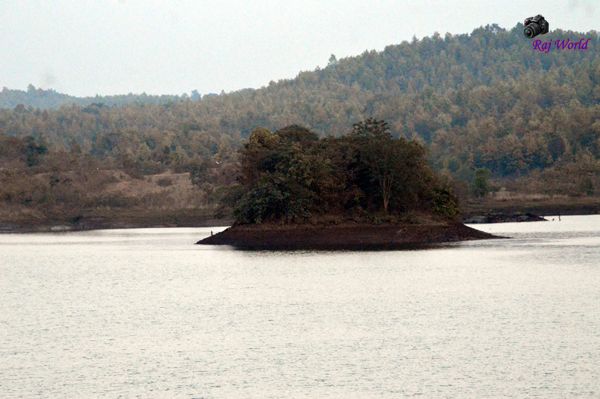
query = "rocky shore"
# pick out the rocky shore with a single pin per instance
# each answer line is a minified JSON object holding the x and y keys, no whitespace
{"x":495,"y":217}
{"x":343,"y":237}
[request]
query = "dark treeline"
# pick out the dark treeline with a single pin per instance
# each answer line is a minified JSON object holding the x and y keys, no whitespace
{"x":293,"y":176}
{"x":479,"y":102}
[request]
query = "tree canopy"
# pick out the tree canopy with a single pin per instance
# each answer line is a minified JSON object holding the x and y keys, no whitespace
{"x":292,"y":176}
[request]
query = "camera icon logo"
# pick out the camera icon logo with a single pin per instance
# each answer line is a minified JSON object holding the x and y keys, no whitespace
{"x":536,"y":26}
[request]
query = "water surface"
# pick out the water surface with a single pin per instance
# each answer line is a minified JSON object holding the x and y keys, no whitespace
{"x":146,"y":313}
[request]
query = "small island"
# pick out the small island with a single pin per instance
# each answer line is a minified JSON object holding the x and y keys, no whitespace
{"x":363,"y":191}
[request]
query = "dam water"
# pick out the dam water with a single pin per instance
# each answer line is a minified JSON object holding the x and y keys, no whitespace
{"x":145,"y":313}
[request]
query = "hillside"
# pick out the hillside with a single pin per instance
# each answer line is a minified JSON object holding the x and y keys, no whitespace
{"x":51,"y":99}
{"x":484,"y":101}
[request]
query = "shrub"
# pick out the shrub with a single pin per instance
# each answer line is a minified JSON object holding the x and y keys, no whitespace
{"x":164,"y":182}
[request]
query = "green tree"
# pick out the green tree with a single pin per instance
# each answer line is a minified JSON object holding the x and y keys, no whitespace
{"x":34,"y":150}
{"x":481,"y":185}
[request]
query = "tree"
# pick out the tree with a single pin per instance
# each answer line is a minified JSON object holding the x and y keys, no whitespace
{"x":389,"y":162}
{"x":199,"y":172}
{"x":371,"y":128}
{"x":195,"y":96}
{"x":481,"y":184}
{"x":332,"y":60}
{"x":34,"y":150}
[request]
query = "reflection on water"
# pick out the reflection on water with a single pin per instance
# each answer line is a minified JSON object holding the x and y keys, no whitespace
{"x":146,"y":313}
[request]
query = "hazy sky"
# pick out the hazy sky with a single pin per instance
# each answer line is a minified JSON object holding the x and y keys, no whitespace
{"x":85,"y":47}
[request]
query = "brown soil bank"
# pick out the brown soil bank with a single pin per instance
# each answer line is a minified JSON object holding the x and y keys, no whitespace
{"x":94,"y":219}
{"x":544,"y":206}
{"x":343,"y":237}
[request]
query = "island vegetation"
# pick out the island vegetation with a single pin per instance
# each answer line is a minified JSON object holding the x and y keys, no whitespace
{"x":293,"y":176}
{"x":363,"y":190}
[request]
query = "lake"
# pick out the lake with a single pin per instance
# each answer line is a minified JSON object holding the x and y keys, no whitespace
{"x":144,"y":312}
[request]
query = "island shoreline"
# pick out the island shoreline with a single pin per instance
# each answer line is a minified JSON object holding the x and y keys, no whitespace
{"x":364,"y":237}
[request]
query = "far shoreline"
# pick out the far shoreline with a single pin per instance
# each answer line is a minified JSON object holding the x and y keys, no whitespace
{"x":193,"y":218}
{"x":93,"y":222}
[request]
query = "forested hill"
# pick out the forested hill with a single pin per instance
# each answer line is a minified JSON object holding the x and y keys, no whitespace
{"x":479,"y":100}
{"x":51,"y":99}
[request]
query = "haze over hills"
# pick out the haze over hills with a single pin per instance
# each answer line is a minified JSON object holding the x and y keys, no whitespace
{"x":481,"y":101}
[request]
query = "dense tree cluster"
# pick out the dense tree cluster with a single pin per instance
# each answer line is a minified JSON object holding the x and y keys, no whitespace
{"x":484,"y":101}
{"x":293,"y":176}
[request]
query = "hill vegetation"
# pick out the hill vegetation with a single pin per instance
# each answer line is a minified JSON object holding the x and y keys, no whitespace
{"x":51,"y":99}
{"x":490,"y":111}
